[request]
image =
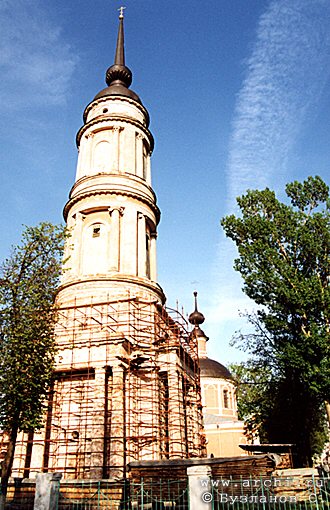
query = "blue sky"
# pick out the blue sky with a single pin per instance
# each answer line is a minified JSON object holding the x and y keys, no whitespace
{"x":238,"y":94}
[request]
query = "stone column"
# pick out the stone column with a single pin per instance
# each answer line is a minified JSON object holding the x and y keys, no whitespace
{"x":37,"y":453}
{"x":47,"y":491}
{"x":118,"y":426}
{"x":77,"y":239}
{"x":193,"y":421}
{"x":200,"y":491}
{"x":141,"y":240}
{"x":153,"y":257}
{"x":177,"y":446}
{"x":116,"y":148}
{"x":88,"y":153}
{"x":97,"y":430}
{"x":139,"y":155}
{"x":148,"y":169}
{"x":116,"y":213}
{"x":82,"y":166}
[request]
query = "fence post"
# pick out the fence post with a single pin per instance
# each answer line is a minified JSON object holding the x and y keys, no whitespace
{"x":200,"y":491}
{"x":47,"y":489}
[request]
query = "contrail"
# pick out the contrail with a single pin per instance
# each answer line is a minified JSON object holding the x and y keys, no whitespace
{"x":285,"y":76}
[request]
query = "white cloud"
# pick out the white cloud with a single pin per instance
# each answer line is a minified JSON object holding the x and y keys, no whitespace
{"x":288,"y":68}
{"x":286,"y":73}
{"x":36,"y":64}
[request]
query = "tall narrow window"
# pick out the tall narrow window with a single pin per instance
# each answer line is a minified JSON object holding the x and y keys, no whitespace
{"x":102,"y":157}
{"x":225,"y":399}
{"x":95,"y":249}
{"x":96,"y":230}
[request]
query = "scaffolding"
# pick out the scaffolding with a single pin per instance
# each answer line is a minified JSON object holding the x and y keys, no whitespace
{"x":126,"y":388}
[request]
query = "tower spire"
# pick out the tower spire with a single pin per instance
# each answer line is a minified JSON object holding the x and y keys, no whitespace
{"x":118,"y":73}
{"x":120,"y":48}
{"x":119,"y":76}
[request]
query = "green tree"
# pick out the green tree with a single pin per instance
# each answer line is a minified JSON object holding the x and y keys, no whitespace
{"x":253,"y":390}
{"x":285,"y":264}
{"x":28,"y":283}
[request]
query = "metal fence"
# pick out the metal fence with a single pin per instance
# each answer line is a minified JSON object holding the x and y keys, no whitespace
{"x":103,"y":495}
{"x":273,"y":493}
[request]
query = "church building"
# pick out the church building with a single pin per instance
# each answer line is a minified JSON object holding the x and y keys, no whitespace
{"x":132,"y":379}
{"x":126,"y":385}
{"x":224,"y":432}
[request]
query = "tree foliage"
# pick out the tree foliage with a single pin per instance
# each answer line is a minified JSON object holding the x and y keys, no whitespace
{"x":28,"y":282}
{"x":285,"y":264}
{"x":253,"y":389}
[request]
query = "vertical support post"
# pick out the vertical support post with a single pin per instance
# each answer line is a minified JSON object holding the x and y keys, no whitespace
{"x":200,"y":493}
{"x":116,"y":153}
{"x":176,"y":430}
{"x":139,"y":155}
{"x":117,"y":447}
{"x":153,"y":257}
{"x":47,"y":491}
{"x":97,"y":446}
{"x":115,"y":213}
{"x":141,"y":252}
{"x":148,"y":163}
{"x":77,"y":262}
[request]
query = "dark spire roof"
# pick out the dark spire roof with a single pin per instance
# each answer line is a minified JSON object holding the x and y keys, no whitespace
{"x":196,"y":317}
{"x":119,"y":76}
{"x":211,"y":368}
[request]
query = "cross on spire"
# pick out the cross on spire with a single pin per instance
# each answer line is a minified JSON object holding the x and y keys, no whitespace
{"x":121,"y":12}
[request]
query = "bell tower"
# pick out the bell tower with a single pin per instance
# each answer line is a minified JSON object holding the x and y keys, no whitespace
{"x":126,"y":382}
{"x":112,"y":213}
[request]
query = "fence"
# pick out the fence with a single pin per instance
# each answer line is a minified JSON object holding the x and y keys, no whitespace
{"x":103,"y":495}
{"x":296,"y":493}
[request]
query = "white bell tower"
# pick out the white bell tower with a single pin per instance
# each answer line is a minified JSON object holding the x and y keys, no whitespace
{"x":112,"y":213}
{"x":126,"y":382}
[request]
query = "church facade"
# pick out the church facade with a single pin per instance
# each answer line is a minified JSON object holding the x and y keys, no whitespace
{"x":126,"y":385}
{"x":224,"y":432}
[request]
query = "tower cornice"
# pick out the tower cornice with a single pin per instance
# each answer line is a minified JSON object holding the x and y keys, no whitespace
{"x":117,"y":118}
{"x":117,"y":278}
{"x":125,"y":99}
{"x":89,"y":194}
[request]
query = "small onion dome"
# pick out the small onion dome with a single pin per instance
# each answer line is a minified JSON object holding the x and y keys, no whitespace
{"x":119,"y":76}
{"x":196,"y":317}
{"x":211,"y":368}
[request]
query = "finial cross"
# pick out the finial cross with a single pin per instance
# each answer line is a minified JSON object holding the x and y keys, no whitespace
{"x":121,"y":12}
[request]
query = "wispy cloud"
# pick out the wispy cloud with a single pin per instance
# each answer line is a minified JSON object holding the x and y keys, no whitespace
{"x":285,"y":75}
{"x":36,"y":65}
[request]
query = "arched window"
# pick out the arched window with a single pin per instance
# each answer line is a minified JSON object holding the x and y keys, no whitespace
{"x":96,"y":230}
{"x":95,"y":249}
{"x":225,"y":399}
{"x":102,"y":156}
{"x":212,"y":398}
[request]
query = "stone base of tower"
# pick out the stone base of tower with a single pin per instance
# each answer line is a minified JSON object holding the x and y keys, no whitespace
{"x":126,"y":388}
{"x":114,"y":288}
